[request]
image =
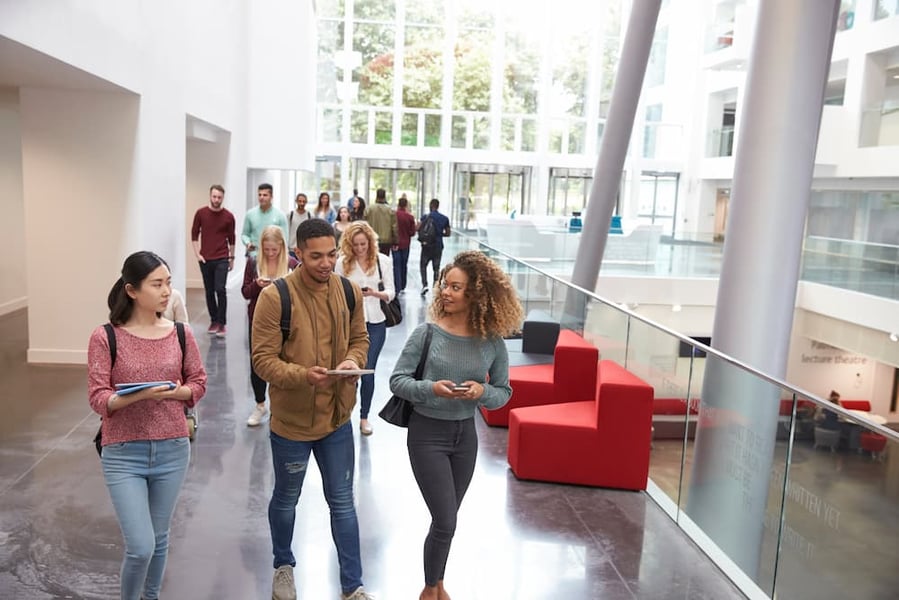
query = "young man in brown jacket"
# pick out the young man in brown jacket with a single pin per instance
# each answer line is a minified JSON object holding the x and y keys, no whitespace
{"x":311,"y":408}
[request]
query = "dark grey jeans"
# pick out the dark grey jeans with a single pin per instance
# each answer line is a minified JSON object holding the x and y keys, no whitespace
{"x":443,"y":455}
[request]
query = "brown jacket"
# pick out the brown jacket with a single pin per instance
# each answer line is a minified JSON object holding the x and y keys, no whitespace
{"x":299,"y":411}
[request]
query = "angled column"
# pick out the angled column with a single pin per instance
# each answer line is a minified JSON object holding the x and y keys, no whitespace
{"x":735,"y":439}
{"x":613,"y":149}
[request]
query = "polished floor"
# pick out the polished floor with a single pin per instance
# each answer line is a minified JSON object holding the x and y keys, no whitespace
{"x":515,"y":539}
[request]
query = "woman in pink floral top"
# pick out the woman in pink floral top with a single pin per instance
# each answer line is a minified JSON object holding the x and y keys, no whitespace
{"x":146,"y":448}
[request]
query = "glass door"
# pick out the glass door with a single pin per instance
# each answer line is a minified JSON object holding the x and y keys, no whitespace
{"x":658,"y":199}
{"x":488,"y":189}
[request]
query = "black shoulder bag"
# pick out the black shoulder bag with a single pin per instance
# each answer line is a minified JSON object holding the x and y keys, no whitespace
{"x":398,"y":410}
{"x":393,"y":312}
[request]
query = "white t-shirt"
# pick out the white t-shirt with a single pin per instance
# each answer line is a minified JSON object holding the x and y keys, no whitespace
{"x":293,"y":221}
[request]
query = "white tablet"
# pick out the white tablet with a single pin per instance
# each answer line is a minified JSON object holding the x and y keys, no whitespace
{"x":350,"y":372}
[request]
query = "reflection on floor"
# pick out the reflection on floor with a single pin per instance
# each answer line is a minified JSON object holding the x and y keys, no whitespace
{"x":521,"y":540}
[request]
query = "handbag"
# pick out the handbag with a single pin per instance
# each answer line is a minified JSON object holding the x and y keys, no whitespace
{"x":398,"y":410}
{"x":393,"y":312}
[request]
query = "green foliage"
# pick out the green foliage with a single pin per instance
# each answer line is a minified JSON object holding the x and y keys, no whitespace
{"x":471,"y":81}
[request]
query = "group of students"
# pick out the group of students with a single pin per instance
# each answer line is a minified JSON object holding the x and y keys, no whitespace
{"x":146,"y":450}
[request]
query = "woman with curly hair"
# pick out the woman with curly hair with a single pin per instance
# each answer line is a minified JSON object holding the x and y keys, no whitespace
{"x":360,"y":262}
{"x":466,"y":365}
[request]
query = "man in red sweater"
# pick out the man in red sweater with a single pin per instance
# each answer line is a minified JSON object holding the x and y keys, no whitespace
{"x":212,"y":235}
{"x":405,"y":229}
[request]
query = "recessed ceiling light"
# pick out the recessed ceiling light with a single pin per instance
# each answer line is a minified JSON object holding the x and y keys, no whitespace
{"x":894,"y":337}
{"x":676,"y":308}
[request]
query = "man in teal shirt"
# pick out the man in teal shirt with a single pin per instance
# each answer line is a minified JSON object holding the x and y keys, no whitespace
{"x":260,"y":217}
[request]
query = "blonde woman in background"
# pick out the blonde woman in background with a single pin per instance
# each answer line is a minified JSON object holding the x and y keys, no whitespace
{"x":272,"y":262}
{"x":359,"y":261}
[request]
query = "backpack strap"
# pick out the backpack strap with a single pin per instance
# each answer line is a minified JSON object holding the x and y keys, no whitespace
{"x":348,"y":292}
{"x":110,"y":335}
{"x":285,"y":308}
{"x":179,"y":329}
{"x":284,"y":293}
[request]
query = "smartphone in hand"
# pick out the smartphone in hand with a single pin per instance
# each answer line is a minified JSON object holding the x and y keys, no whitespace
{"x":461,"y":388}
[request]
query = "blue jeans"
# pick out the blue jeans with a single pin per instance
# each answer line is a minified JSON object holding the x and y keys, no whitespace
{"x":144,"y":479}
{"x":400,"y":268}
{"x":377,"y":333}
{"x":335,"y":456}
{"x":215,"y":277}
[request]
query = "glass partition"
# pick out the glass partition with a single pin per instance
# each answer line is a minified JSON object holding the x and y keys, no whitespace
{"x":841,"y":516}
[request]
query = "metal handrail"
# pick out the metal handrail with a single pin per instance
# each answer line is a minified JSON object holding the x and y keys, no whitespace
{"x":806,"y":395}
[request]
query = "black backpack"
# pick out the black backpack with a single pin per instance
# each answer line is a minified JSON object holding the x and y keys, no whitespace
{"x":427,"y":231}
{"x":285,"y":303}
{"x":110,"y":336}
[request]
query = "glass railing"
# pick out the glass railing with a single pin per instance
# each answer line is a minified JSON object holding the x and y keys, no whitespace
{"x":864,"y":267}
{"x":861,"y":266}
{"x":792,"y":496}
{"x":721,"y":142}
{"x":884,"y":9}
{"x":719,"y":37}
{"x":880,"y":125}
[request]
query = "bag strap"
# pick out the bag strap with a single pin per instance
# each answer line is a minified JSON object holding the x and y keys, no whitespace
{"x":110,"y":336}
{"x":179,"y":329}
{"x":420,"y":369}
{"x":284,"y":293}
{"x":380,"y":275}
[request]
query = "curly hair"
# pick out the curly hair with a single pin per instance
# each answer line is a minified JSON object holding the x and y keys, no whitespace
{"x":494,"y":308}
{"x":346,"y":246}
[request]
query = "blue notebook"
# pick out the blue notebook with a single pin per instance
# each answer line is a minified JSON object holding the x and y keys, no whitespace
{"x":123,"y":389}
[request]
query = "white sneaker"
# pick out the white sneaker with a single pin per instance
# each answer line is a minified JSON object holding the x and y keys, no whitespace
{"x":283,"y":586}
{"x":359,"y":594}
{"x":257,"y":415}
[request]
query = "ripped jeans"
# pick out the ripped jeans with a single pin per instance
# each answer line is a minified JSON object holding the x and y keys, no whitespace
{"x":335,"y":456}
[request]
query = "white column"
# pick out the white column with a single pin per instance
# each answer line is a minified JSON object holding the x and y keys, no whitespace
{"x":775,"y":154}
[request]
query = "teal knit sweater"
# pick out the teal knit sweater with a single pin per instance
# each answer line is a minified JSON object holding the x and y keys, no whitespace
{"x":458,"y":359}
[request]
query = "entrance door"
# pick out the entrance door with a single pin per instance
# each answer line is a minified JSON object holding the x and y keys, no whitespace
{"x":658,"y":199}
{"x":397,"y":182}
{"x":416,"y":179}
{"x":488,"y":189}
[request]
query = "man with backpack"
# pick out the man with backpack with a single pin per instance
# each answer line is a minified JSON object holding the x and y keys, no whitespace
{"x":311,"y":402}
{"x":431,"y":230}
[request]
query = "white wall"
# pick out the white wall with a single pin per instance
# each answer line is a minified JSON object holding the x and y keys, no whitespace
{"x":78,"y":150}
{"x":104,"y":173}
{"x":282,"y":85}
{"x":13,"y":287}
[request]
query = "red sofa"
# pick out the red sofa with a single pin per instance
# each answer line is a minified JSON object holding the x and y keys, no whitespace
{"x":670,"y":416}
{"x":602,"y":442}
{"x":571,"y":377}
{"x":856,"y":405}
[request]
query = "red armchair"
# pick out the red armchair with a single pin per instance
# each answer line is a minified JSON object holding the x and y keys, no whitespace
{"x":873,"y":443}
{"x":603,"y":442}
{"x":571,"y":377}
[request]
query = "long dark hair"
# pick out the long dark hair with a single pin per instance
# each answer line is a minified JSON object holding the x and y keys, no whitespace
{"x":135,"y":269}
